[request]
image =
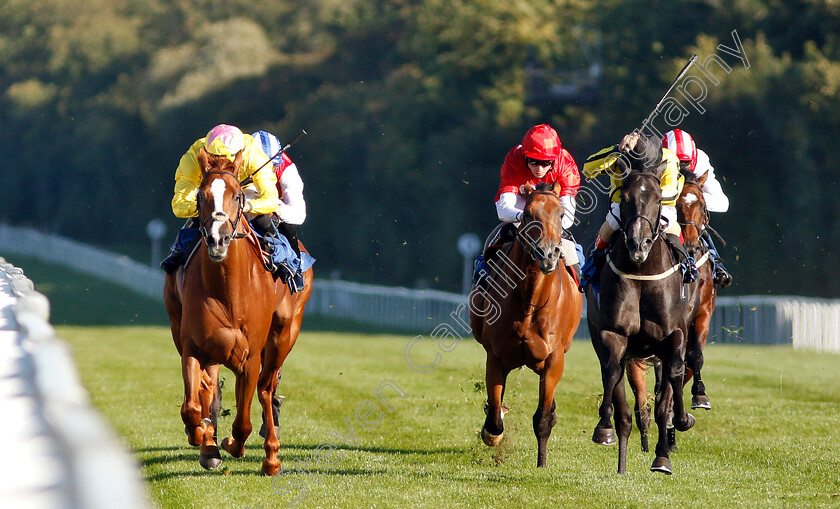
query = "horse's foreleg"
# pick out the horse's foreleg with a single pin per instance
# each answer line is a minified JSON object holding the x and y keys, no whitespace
{"x":495,"y":378}
{"x":662,"y":414}
{"x":611,"y":351}
{"x":246,"y":383}
{"x":545,"y":417}
{"x":265,"y":391}
{"x":674,"y":370}
{"x":209,"y":393}
{"x":637,"y":378}
{"x":191,"y":408}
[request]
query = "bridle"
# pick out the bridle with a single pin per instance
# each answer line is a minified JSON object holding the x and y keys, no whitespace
{"x":240,"y":199}
{"x":705,"y":211}
{"x":530,"y":247}
{"x":656,"y":230}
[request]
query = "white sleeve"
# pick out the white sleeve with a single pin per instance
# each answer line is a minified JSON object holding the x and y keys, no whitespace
{"x":569,"y":207}
{"x":716,"y":200}
{"x":509,"y":207}
{"x":292,"y":207}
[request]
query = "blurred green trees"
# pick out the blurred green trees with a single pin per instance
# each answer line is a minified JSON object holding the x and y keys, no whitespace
{"x":411,"y":106}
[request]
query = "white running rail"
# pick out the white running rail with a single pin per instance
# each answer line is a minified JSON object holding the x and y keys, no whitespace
{"x":805,"y":323}
{"x":59,"y":452}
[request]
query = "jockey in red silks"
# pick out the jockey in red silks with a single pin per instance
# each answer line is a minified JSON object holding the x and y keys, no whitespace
{"x":539,"y":158}
{"x":697,"y":162}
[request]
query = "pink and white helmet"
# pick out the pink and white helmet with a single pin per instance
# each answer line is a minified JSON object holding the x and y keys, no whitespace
{"x":224,"y":140}
{"x":681,"y":144}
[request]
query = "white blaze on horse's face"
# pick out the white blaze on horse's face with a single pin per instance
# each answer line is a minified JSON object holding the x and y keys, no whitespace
{"x":218,"y":247}
{"x":689,"y":199}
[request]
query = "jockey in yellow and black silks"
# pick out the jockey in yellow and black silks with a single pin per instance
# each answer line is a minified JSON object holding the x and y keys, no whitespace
{"x":648,"y":151}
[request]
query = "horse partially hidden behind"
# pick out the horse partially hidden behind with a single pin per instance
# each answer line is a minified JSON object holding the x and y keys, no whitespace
{"x":532,"y":324}
{"x":225,"y":308}
{"x":640,"y":312}
{"x":692,"y":216}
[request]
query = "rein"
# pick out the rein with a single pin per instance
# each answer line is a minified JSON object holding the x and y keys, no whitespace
{"x":240,"y":198}
{"x":535,"y":252}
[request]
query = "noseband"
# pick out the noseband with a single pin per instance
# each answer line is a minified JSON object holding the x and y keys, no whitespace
{"x":240,"y":199}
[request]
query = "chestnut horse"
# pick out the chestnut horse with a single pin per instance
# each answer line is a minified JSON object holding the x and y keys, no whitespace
{"x":640,"y":312}
{"x":225,"y":308}
{"x":692,"y":216}
{"x":533,"y":323}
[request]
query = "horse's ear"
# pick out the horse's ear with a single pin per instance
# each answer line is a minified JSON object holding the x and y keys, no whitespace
{"x":556,"y":188}
{"x":237,"y":161}
{"x":702,"y":179}
{"x":526,"y":189}
{"x":203,"y":160}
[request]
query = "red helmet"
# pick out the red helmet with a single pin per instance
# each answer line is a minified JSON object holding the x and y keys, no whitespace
{"x":681,"y":144}
{"x":541,"y":143}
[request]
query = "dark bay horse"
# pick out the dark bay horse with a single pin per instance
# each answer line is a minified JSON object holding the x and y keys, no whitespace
{"x":692,"y":216}
{"x":526,"y":312}
{"x":226,"y":309}
{"x":640,"y":312}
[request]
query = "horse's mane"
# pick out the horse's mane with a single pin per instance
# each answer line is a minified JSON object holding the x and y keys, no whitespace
{"x":544,"y":186}
{"x":688,"y":175}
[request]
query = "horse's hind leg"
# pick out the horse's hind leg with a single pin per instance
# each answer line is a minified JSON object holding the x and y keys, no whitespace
{"x":209,"y":393}
{"x":636,"y":376}
{"x":493,"y":429}
{"x":545,"y":417}
{"x":694,"y":364}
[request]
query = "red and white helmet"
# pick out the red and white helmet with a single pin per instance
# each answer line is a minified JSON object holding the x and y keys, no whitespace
{"x":542,"y":143}
{"x":681,"y":144}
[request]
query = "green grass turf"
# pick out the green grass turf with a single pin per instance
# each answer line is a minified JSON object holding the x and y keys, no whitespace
{"x":770,"y":440}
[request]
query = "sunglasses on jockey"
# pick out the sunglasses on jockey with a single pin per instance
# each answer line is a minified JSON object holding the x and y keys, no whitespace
{"x":539,"y":163}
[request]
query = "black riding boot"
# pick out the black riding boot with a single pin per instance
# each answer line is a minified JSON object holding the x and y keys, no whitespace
{"x":719,"y":275}
{"x":177,"y":256}
{"x":690,"y":272}
{"x":289,"y":231}
{"x":267,"y":229}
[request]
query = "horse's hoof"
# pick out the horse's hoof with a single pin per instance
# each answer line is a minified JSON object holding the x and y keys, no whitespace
{"x":701,"y":401}
{"x":689,"y":423}
{"x":604,"y":436}
{"x":491,"y":439}
{"x":661,"y":464}
{"x":270,"y":468}
{"x":210,"y":460}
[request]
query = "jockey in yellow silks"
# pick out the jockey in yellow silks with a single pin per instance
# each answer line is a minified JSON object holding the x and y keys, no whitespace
{"x":649,"y":149}
{"x":261,"y":195}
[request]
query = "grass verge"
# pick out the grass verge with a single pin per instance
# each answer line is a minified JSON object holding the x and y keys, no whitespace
{"x":771,"y":439}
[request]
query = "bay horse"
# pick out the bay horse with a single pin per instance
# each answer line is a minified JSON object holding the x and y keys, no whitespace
{"x":532,"y":321}
{"x":693,"y":217}
{"x":225,"y":308}
{"x":640,"y":312}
